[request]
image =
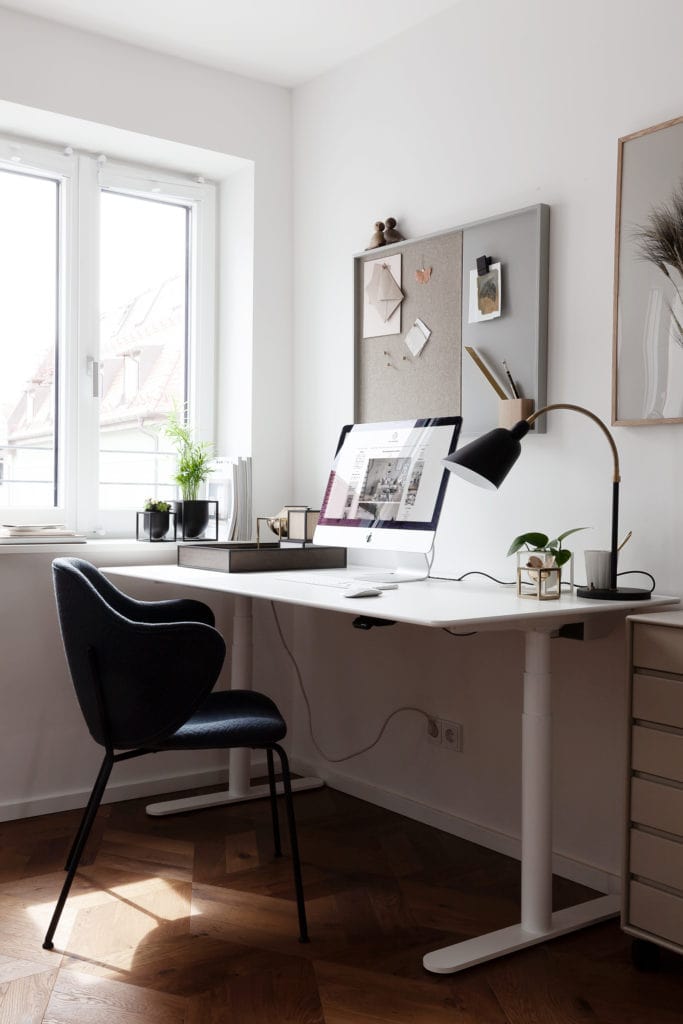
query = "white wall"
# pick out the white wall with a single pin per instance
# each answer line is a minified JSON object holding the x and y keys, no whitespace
{"x":481,"y":110}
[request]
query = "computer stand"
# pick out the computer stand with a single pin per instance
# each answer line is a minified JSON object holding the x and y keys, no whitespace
{"x":408,"y":569}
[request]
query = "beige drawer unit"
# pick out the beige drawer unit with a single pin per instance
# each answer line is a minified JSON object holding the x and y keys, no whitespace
{"x":658,"y":699}
{"x":652,"y":909}
{"x":654,"y":857}
{"x":657,"y":752}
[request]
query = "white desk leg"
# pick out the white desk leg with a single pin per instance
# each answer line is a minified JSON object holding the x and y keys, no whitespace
{"x":537,"y":784}
{"x":538,"y":923}
{"x":242,"y":676}
{"x":239,"y":788}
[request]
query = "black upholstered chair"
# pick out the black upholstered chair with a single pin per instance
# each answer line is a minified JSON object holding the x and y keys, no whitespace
{"x":143,"y":672}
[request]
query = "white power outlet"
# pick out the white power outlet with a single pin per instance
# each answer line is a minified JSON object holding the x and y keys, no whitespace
{"x":445,"y":734}
{"x":451,"y":736}
{"x":434,"y":732}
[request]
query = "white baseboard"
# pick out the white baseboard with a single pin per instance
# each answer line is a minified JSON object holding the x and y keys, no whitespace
{"x":577,"y":871}
{"x":566,"y":867}
{"x":114,"y":793}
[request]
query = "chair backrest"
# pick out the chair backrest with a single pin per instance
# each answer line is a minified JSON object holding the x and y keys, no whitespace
{"x":136,"y":682}
{"x":175,"y":610}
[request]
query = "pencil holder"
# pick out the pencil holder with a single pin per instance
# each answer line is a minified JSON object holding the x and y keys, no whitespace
{"x":512,"y":410}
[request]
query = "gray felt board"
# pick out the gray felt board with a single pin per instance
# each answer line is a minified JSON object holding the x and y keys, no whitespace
{"x":391,"y":383}
{"x":394,"y":384}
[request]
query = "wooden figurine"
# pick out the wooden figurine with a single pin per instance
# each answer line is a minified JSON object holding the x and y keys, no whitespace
{"x":378,"y":237}
{"x":390,"y":232}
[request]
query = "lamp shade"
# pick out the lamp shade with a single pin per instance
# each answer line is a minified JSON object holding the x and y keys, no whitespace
{"x":488,"y":460}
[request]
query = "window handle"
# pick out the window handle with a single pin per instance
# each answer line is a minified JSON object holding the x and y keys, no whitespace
{"x":95,"y":369}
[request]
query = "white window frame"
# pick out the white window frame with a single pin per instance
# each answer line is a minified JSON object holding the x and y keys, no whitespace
{"x":81,"y":177}
{"x":47,"y":162}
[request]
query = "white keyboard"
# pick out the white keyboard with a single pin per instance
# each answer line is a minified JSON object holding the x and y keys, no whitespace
{"x":320,"y":578}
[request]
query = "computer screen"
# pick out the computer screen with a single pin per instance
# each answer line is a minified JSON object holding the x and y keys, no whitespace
{"x":387,"y":485}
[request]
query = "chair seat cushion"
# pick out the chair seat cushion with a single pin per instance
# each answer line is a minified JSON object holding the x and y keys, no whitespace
{"x":231,"y":718}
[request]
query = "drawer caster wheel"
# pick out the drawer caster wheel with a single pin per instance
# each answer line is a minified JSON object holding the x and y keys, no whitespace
{"x":645,"y":955}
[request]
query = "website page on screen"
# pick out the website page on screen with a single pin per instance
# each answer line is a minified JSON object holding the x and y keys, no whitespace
{"x":389,"y":474}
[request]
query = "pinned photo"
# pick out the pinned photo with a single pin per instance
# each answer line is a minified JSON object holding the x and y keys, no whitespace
{"x":485,"y":295}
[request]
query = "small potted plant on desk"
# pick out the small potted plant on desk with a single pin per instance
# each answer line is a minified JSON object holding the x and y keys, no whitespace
{"x":540,"y":561}
{"x":193,"y":469}
{"x":156,"y":519}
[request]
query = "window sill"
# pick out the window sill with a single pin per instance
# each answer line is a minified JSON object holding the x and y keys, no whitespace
{"x":97,"y":546}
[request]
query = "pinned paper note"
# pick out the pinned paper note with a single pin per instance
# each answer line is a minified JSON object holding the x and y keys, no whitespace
{"x":417,"y":337}
{"x":383,"y":297}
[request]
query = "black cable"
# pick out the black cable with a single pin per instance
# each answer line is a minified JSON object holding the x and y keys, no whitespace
{"x":626,"y":572}
{"x":478,"y":572}
{"x":506,"y":583}
{"x":474,"y":572}
{"x":640,"y":572}
{"x":453,"y":633}
{"x":503,"y":583}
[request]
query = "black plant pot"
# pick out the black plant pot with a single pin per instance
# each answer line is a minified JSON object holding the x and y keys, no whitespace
{"x":192,"y":518}
{"x":156,"y":524}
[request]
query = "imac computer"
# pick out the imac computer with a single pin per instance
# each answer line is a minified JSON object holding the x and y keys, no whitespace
{"x":385,"y":492}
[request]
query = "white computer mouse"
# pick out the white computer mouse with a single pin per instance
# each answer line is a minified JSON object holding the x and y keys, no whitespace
{"x":361,"y":590}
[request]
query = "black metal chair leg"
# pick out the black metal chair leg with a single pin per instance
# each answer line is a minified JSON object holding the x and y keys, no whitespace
{"x":77,"y":838}
{"x":293,"y":842}
{"x":79,"y":845}
{"x":273,"y":803}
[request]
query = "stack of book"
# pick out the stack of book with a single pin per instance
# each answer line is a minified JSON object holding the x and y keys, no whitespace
{"x":40,"y":534}
{"x":240,"y":520}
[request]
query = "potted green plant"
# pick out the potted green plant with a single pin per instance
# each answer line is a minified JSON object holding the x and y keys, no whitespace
{"x":544,"y":552}
{"x":156,"y":518}
{"x":543,"y":559}
{"x":192,"y":470}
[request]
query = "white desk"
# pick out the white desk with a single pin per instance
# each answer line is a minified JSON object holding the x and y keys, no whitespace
{"x":463,"y":606}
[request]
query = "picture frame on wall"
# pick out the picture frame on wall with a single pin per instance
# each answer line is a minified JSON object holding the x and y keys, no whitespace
{"x":647,"y":375}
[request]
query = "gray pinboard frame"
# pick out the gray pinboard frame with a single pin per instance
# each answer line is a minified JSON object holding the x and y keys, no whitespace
{"x":392,"y":384}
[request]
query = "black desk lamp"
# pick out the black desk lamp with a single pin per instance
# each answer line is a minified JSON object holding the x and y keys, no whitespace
{"x":488,"y":460}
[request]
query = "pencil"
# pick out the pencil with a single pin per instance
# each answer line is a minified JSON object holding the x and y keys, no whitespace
{"x":487,"y":373}
{"x":513,"y":386}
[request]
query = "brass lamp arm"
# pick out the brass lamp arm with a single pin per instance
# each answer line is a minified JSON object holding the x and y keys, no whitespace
{"x":596,"y":419}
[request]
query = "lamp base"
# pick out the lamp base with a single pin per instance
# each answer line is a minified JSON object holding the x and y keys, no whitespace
{"x":616,"y":594}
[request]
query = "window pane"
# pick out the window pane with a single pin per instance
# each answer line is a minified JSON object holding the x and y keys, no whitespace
{"x":29,"y":209}
{"x":143,"y":344}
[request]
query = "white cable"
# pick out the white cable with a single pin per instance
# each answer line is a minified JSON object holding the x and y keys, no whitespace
{"x":299,"y":679}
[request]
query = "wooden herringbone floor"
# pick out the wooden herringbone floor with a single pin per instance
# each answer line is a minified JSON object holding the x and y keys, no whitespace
{"x":189,"y":920}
